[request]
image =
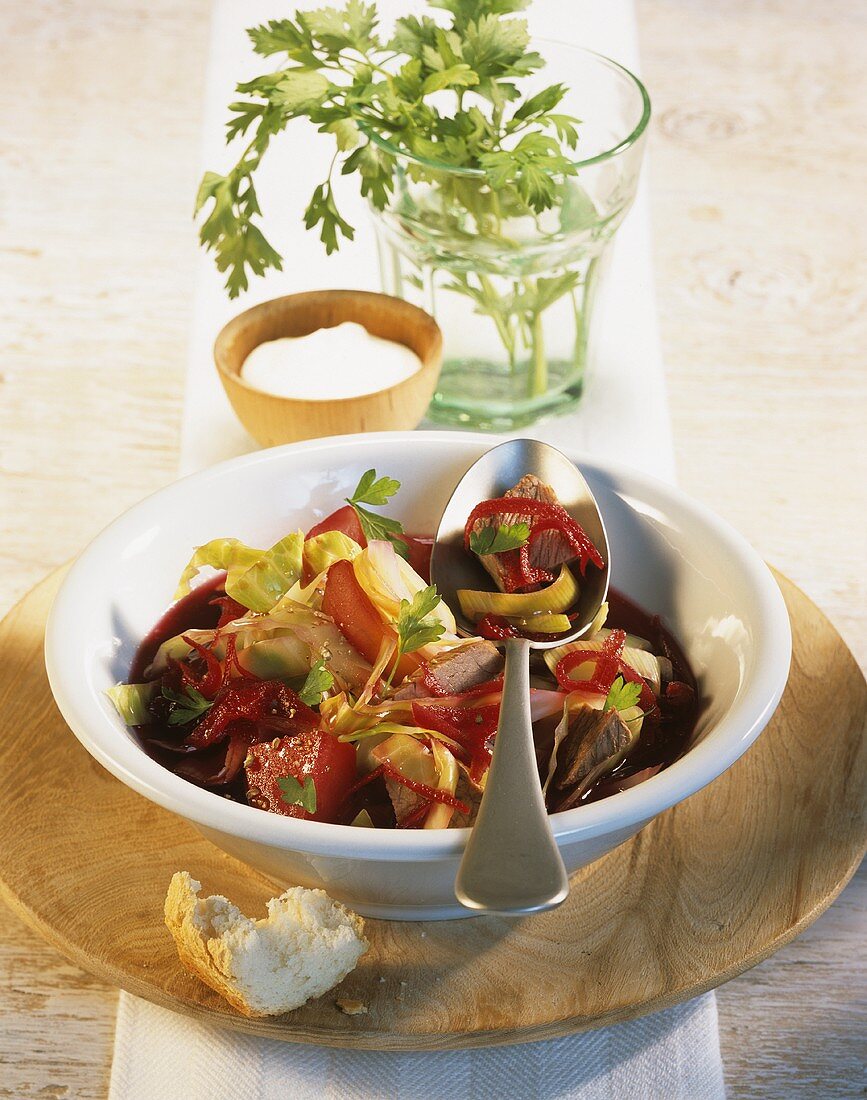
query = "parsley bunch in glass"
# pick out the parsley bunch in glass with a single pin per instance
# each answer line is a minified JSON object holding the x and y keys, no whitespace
{"x":445,"y":91}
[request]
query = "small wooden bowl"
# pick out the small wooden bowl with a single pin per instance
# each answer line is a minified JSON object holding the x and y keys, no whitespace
{"x":272,"y":420}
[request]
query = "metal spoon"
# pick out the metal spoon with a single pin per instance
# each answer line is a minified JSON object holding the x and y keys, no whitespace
{"x":511,"y":863}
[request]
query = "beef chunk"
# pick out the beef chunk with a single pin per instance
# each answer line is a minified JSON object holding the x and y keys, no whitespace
{"x":594,"y":744}
{"x":457,"y":670}
{"x":549,"y":551}
{"x":406,"y":802}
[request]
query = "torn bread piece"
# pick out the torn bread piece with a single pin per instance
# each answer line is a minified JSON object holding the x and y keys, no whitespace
{"x":304,"y":947}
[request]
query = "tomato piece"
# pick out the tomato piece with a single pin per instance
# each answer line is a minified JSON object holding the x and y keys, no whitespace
{"x":344,"y":519}
{"x":419,"y":551}
{"x":315,"y":753}
{"x":359,"y":622}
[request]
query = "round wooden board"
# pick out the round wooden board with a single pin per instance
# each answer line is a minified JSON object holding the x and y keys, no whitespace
{"x":707,"y":890}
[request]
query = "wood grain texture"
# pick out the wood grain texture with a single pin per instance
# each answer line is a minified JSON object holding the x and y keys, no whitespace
{"x":273,"y":420}
{"x":756,"y":173}
{"x":710,"y":888}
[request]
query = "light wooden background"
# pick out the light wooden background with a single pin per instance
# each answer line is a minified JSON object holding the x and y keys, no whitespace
{"x":758,"y":177}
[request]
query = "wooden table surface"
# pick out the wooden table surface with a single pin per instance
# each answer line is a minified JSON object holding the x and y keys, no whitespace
{"x":758,"y":168}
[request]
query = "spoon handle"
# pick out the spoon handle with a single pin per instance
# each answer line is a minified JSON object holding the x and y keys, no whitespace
{"x":511,"y":863}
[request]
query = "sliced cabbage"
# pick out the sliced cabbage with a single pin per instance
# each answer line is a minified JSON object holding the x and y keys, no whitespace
{"x":363,"y":820}
{"x":131,"y":701}
{"x":255,"y":578}
{"x":283,"y":657}
{"x":308,"y":594}
{"x":439,"y":816}
{"x":434,"y":767}
{"x":387,"y":579}
{"x":325,"y":549}
{"x":556,"y":598}
{"x":280,"y":645}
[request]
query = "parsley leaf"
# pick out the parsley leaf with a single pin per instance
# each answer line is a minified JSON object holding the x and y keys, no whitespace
{"x":294,"y":793}
{"x":377,"y":491}
{"x":319,"y":680}
{"x":622,"y":695}
{"x":188,"y":705}
{"x":414,"y":628}
{"x":496,"y":540}
{"x":373,"y":490}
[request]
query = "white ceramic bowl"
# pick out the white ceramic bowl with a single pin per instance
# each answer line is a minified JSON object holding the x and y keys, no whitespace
{"x":669,"y":554}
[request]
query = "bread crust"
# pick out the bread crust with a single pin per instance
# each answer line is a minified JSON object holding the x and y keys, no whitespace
{"x":215,"y":961}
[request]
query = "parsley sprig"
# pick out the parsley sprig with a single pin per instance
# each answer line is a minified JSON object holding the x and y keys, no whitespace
{"x":622,"y":695}
{"x":318,"y":681}
{"x":187,"y":705}
{"x":377,"y":492}
{"x":496,"y":540}
{"x":294,"y":793}
{"x":415,"y":628}
{"x":334,"y":68}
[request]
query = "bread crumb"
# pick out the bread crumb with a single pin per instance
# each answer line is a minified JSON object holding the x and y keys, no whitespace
{"x":351,"y":1008}
{"x":304,"y":947}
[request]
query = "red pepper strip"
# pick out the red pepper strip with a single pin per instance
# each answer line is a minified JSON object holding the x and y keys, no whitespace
{"x":431,"y":793}
{"x":232,"y":661}
{"x":365,"y":779}
{"x":229,"y":610}
{"x":472,"y":728}
{"x":495,"y":628}
{"x":212,"y":680}
{"x":415,"y":816}
{"x":605,"y":664}
{"x":253,"y":701}
{"x":608,"y":665}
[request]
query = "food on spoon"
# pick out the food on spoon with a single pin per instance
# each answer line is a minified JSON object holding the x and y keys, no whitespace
{"x":304,"y":947}
{"x":549,"y":551}
{"x":528,"y":543}
{"x":323,"y":679}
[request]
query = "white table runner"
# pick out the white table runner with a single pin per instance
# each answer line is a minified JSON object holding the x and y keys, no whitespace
{"x":670,"y":1055}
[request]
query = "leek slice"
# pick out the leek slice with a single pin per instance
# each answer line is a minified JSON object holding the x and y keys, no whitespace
{"x":556,"y":598}
{"x":255,"y":578}
{"x":362,"y":820}
{"x":632,"y":640}
{"x":131,"y":701}
{"x":546,"y":623}
{"x":639,"y":660}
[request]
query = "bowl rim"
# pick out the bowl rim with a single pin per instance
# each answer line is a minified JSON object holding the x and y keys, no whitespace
{"x":120,"y":755}
{"x":431,"y":364}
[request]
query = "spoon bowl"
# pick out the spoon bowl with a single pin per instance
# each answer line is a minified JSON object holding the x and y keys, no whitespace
{"x":511,"y":864}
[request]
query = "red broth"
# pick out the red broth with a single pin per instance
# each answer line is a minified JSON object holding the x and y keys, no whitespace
{"x":664,"y":737}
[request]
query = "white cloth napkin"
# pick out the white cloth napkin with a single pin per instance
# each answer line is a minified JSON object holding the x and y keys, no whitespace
{"x":670,"y":1055}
